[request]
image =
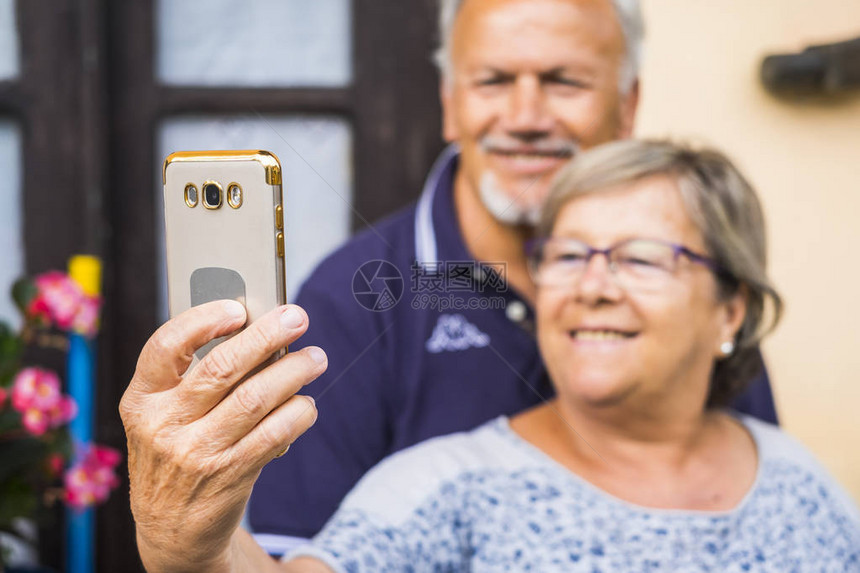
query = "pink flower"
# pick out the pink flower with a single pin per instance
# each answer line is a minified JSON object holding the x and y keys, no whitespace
{"x":61,"y":301}
{"x":24,"y":388}
{"x":86,"y":321}
{"x":35,"y":421}
{"x":105,"y":456}
{"x":60,"y":295}
{"x":80,"y":488}
{"x":36,"y":395}
{"x":63,"y":412}
{"x":39,"y":311}
{"x":3,"y":395}
{"x":35,"y":388}
{"x":55,"y":464}
{"x":90,"y":480}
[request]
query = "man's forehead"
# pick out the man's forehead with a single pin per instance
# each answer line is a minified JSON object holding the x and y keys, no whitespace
{"x":490,"y":26}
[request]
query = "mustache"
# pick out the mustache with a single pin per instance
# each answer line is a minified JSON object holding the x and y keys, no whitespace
{"x":545,"y":146}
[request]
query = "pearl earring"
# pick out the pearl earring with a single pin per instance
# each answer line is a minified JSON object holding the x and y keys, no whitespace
{"x":727,"y":348}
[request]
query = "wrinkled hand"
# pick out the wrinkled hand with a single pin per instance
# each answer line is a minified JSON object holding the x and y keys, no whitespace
{"x":197,"y":444}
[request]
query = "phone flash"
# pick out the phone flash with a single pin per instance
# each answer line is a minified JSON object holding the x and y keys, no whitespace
{"x":234,"y":195}
{"x":191,"y":195}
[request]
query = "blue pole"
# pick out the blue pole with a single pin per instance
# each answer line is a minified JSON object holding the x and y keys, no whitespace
{"x":80,"y":525}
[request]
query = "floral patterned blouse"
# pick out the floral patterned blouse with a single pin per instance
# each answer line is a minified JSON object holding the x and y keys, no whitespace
{"x":487,"y":500}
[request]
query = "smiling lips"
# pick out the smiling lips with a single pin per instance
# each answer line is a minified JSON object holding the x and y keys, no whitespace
{"x":600,"y":335}
{"x":529,"y":160}
{"x":528,"y":152}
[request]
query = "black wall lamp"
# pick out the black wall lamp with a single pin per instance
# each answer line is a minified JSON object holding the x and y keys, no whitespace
{"x":827,"y":69}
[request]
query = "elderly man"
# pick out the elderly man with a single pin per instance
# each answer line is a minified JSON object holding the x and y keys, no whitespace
{"x":524,"y":84}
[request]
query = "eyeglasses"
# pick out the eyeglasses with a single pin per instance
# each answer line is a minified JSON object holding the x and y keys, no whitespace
{"x":637,"y":264}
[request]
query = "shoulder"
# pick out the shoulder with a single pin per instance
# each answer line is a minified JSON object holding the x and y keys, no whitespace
{"x":774,"y":444}
{"x":787,"y":456}
{"x":328,"y":292}
{"x":391,"y":239}
{"x":407,"y":479}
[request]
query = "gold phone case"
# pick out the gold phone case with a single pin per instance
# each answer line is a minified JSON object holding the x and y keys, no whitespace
{"x":233,"y":250}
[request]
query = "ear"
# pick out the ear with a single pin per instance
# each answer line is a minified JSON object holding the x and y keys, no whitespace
{"x":734,"y":311}
{"x":629,"y":105}
{"x":446,"y":96}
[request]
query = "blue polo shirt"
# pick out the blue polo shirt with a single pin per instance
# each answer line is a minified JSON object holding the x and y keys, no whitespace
{"x":422,"y":341}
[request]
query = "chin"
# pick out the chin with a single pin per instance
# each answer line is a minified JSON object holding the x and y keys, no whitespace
{"x":509,"y":208}
{"x":597,"y":390}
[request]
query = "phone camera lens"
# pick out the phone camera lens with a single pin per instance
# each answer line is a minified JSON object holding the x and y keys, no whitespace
{"x":191,"y":195}
{"x":212,"y":195}
{"x":234,"y":195}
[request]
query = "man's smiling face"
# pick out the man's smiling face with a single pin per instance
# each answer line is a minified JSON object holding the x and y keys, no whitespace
{"x":532,"y":81}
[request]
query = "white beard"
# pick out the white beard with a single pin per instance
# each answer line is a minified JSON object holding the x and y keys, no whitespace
{"x":504,"y":209}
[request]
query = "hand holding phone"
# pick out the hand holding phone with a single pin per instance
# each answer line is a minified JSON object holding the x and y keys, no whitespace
{"x":199,"y":434}
{"x":198,"y":437}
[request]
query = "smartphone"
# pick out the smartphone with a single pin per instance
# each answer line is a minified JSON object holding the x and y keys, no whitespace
{"x":224,"y":231}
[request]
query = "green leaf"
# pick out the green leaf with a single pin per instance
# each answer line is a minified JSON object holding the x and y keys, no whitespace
{"x":11,"y":349}
{"x":62,"y":443}
{"x":10,"y":419}
{"x":23,"y":292}
{"x":20,"y":456}
{"x":19,"y":500}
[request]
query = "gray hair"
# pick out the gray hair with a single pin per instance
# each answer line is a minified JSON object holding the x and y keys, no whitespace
{"x":727,"y":212}
{"x":629,"y":16}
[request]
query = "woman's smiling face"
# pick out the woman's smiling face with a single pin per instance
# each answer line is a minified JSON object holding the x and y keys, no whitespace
{"x":604,"y":343}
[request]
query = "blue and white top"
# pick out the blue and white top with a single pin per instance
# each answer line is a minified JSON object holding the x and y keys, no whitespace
{"x":487,"y":500}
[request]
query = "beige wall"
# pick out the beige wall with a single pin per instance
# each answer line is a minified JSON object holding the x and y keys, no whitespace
{"x":701,"y":84}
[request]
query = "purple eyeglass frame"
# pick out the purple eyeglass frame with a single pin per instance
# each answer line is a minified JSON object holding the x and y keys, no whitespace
{"x":533,"y":245}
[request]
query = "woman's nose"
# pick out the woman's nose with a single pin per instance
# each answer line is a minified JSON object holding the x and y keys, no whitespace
{"x":598,"y":281}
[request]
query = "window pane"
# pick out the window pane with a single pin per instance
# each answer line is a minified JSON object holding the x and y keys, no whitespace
{"x":8,"y":41}
{"x":316,"y":157}
{"x":254,"y":43}
{"x":11,"y":215}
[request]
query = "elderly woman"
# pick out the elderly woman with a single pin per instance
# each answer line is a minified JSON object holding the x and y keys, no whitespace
{"x":652,"y":297}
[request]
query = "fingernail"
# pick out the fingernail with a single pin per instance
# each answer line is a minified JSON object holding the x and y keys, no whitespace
{"x":234,"y":308}
{"x":292,"y":318}
{"x":317,"y":354}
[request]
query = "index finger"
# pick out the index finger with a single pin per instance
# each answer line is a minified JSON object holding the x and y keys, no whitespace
{"x":169,"y":351}
{"x":218,"y":372}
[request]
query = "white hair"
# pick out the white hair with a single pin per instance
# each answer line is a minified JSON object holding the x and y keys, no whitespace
{"x":629,"y":16}
{"x":500,"y":206}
